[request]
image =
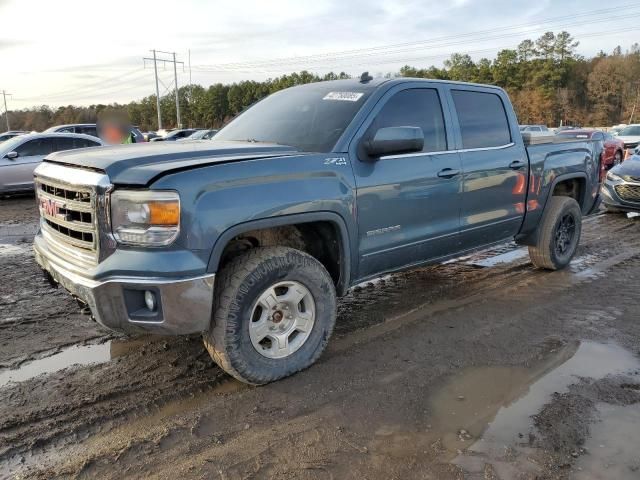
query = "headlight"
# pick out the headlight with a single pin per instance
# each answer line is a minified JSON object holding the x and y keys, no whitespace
{"x":613,"y":177}
{"x":145,"y":217}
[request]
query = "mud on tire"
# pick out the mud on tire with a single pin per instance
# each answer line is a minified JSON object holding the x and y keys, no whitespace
{"x":559,"y":213}
{"x":239,"y":287}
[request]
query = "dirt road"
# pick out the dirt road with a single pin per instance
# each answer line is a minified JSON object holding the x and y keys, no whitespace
{"x":480,"y":368}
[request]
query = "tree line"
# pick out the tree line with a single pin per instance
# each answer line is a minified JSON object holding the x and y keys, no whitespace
{"x":547,"y":80}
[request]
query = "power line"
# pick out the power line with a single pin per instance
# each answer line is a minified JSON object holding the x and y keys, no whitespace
{"x":175,"y":62}
{"x":437,"y":42}
{"x":6,"y":111}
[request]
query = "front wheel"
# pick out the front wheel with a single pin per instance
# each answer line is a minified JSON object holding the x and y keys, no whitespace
{"x":559,"y":234}
{"x":274,"y":311}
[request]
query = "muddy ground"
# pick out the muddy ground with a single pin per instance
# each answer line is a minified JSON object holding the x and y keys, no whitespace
{"x":480,"y":368}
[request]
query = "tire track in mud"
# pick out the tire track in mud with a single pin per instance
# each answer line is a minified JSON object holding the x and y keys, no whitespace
{"x":46,"y":414}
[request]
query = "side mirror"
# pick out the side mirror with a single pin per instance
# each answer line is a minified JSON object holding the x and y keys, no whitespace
{"x":12,"y":155}
{"x":395,"y":140}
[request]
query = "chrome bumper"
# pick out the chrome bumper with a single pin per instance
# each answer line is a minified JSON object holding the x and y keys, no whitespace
{"x":184,"y":304}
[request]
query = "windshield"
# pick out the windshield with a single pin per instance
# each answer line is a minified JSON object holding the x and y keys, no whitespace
{"x":198,"y":134}
{"x":630,"y":131}
{"x":13,"y":143}
{"x":310,"y":118}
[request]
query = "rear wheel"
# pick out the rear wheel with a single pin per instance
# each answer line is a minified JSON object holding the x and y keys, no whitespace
{"x":559,"y":234}
{"x":274,"y":312}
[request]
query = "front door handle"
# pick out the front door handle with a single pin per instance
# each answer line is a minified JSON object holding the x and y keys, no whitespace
{"x":517,"y":164}
{"x":448,"y":173}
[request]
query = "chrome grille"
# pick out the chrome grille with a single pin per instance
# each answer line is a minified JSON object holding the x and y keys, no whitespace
{"x":629,"y":193}
{"x":68,"y":218}
{"x":74,"y":213}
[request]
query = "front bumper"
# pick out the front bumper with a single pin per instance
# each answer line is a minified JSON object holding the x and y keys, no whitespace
{"x":611,"y":198}
{"x":184,"y":305}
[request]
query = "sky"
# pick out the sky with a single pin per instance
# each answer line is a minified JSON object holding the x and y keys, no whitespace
{"x":61,"y":52}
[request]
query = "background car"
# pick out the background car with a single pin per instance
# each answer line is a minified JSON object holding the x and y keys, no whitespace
{"x":19,"y":156}
{"x":203,"y":134}
{"x":630,"y":135}
{"x":175,"y":135}
{"x":617,"y":129}
{"x":10,"y":134}
{"x":612,"y":147}
{"x":89,"y":129}
{"x":536,"y":130}
{"x":148,"y":136}
{"x":621,"y":190}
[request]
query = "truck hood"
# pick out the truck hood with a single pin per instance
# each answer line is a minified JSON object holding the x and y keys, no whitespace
{"x":140,"y":163}
{"x":629,"y":168}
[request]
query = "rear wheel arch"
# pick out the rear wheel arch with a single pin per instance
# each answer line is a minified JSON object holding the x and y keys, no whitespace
{"x":570,"y":185}
{"x":323,"y":235}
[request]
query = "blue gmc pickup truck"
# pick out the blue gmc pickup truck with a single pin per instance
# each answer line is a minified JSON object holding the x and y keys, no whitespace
{"x":250,"y":238}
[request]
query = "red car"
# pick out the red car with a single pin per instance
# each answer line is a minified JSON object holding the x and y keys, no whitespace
{"x":612,"y":150}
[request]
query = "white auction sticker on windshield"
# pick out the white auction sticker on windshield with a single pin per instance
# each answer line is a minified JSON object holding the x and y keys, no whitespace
{"x":343,"y":96}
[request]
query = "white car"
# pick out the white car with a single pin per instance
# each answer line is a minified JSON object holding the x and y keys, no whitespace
{"x":19,"y":156}
{"x":536,"y":130}
{"x":630,"y":135}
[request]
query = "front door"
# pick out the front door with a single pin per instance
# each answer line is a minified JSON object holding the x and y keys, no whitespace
{"x":18,"y":172}
{"x":408,"y":205}
{"x":495,"y":169}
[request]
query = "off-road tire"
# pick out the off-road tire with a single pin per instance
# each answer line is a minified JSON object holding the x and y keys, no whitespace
{"x":545,"y":254}
{"x":237,"y":287}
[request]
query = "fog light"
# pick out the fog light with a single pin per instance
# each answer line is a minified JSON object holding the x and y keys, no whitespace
{"x":150,"y":300}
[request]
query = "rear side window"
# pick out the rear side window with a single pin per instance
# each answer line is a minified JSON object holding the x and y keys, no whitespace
{"x":483,"y":119}
{"x":419,"y":107}
{"x":64,"y":143}
{"x":88,"y":130}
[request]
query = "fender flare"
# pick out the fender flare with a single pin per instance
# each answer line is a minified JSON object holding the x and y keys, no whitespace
{"x":283,"y":220}
{"x":531,"y":239}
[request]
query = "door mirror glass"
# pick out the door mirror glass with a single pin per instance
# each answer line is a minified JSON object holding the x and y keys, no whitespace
{"x":12,"y":155}
{"x":395,"y":140}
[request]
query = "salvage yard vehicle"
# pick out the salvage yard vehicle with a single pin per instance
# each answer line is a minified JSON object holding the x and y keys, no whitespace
{"x":630,"y":135}
{"x":612,"y":147}
{"x":621,"y":191}
{"x":10,"y":134}
{"x":90,"y":129}
{"x":20,"y":155}
{"x":249,"y":238}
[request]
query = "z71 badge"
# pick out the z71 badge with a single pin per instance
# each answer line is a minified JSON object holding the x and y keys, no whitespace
{"x":335,"y":161}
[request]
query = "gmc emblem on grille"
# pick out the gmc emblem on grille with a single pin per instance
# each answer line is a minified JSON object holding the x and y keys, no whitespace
{"x":50,"y":207}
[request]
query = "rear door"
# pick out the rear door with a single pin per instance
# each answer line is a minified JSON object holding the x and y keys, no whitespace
{"x":19,"y":172}
{"x":408,"y":205}
{"x":494,"y":167}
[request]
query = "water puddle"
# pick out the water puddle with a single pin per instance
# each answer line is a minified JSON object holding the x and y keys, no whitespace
{"x":500,"y":259}
{"x":482,"y":413}
{"x":613,"y":445}
{"x":76,"y":355}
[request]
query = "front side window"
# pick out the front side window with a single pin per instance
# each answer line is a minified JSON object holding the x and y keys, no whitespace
{"x":483,"y":119}
{"x":419,"y":107}
{"x":36,"y":147}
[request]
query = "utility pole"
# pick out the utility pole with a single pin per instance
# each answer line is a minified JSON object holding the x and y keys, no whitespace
{"x":155,"y":71}
{"x":633,"y":110}
{"x":175,"y":77}
{"x":6,"y":111}
{"x":155,"y":60}
{"x":190,"y":92}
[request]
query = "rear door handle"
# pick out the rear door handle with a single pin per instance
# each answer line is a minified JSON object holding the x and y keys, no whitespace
{"x":517,"y":164}
{"x":448,"y":173}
